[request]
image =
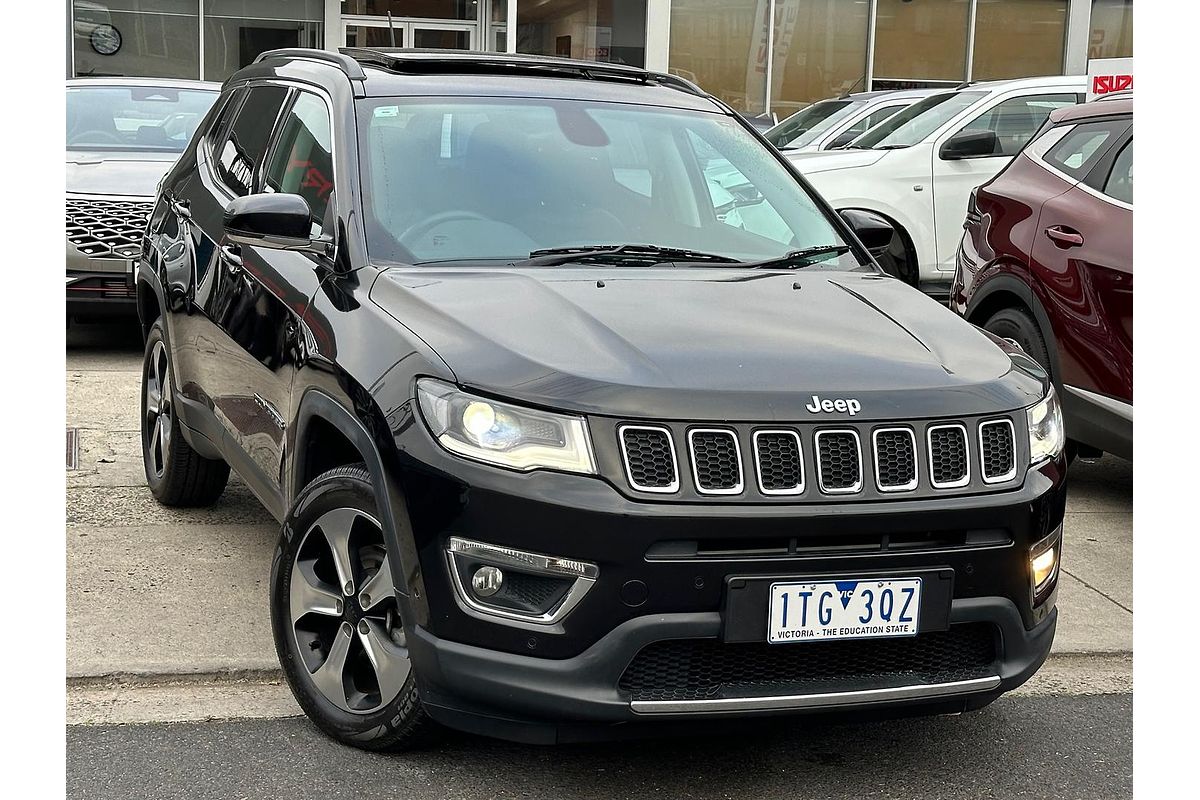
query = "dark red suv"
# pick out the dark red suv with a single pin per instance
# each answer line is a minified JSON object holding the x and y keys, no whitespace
{"x":1047,"y":261}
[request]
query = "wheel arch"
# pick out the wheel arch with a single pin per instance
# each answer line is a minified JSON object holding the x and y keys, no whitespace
{"x":1007,"y":291}
{"x":327,"y":434}
{"x":149,"y":304}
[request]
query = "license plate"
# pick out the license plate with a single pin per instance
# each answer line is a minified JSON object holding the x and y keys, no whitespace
{"x":849,"y":609}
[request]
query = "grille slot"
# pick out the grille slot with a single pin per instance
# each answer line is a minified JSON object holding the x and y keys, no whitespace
{"x":997,"y":451}
{"x":839,"y":461}
{"x":649,"y":454}
{"x":716,"y":461}
{"x":895,"y":459}
{"x":705,"y":669}
{"x":779,"y":462}
{"x":949,"y":467}
{"x":107,"y":228}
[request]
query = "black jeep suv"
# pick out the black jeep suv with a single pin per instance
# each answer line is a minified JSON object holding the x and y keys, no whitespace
{"x":581,"y":412}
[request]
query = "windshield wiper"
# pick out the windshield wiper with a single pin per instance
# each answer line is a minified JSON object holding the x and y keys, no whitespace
{"x":891,"y":147}
{"x":613,"y":253}
{"x":798,"y":259}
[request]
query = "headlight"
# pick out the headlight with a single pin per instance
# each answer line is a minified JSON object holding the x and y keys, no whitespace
{"x":504,"y":434}
{"x":1046,"y":437}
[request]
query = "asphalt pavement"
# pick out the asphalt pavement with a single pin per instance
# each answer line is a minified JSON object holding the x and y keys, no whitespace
{"x":1029,"y":747}
{"x":173,"y":689}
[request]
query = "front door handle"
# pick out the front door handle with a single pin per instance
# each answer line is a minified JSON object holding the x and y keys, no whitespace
{"x":231,"y":255}
{"x":1064,"y":237}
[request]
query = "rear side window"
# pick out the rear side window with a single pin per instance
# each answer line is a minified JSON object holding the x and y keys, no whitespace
{"x":1079,"y":150}
{"x":302,"y":162}
{"x":1119,"y":185}
{"x":241,"y":153}
{"x":1015,"y":120}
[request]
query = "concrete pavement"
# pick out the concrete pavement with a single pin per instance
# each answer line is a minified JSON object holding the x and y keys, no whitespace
{"x":159,"y":599}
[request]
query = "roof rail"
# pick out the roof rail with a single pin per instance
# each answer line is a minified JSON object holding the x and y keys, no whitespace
{"x":352,"y":68}
{"x":431,"y":62}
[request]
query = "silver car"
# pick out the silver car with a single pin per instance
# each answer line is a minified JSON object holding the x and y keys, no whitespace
{"x":123,"y":134}
{"x":835,"y":122}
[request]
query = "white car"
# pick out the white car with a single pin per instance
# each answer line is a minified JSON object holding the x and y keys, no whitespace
{"x":833,"y":123}
{"x":918,"y":167}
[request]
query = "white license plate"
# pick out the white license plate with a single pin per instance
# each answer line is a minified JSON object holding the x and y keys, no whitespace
{"x":850,"y":609}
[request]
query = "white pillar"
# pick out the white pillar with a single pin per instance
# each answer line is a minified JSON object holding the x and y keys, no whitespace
{"x":510,"y":23}
{"x":333,"y":25}
{"x":658,"y":35}
{"x":1079,"y":32}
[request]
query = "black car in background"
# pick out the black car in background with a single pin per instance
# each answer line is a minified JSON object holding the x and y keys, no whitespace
{"x":122,"y":136}
{"x":563,"y":448}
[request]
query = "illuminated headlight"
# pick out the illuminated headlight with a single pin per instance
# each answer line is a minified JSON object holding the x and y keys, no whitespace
{"x":503,"y":434}
{"x":1046,"y":437}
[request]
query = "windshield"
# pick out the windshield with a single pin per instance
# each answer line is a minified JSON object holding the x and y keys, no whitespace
{"x":134,"y":117}
{"x":917,"y":121}
{"x":803,"y":127}
{"x":469,"y":179}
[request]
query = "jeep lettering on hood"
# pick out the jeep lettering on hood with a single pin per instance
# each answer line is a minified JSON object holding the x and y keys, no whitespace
{"x":843,"y":405}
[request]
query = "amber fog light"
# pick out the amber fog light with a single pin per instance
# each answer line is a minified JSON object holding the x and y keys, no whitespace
{"x":1043,"y":565}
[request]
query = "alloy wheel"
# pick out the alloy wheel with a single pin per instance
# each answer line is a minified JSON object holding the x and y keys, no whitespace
{"x":158,"y":409}
{"x":344,"y":615}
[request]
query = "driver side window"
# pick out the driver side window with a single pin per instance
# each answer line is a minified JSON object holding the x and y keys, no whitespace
{"x":1014,"y":121}
{"x":302,"y":162}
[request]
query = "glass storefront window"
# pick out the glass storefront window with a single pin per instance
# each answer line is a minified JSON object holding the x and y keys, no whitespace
{"x":722,"y":46}
{"x":820,"y":51}
{"x":595,"y":30}
{"x":425,"y":9}
{"x":921,"y":39}
{"x":236,"y":31}
{"x":146,"y":38}
{"x":1112,"y":29}
{"x":1018,"y":38}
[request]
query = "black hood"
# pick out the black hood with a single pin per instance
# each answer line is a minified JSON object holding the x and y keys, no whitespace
{"x":705,"y":343}
{"x":116,"y":173}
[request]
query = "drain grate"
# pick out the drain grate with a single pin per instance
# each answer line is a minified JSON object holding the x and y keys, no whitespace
{"x":72,"y":448}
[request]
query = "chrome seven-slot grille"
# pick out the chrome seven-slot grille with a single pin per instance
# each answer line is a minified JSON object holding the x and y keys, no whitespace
{"x":107,"y":228}
{"x":882,"y":458}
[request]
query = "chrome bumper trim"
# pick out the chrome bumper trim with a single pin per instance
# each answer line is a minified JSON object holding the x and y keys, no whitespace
{"x":825,"y":700}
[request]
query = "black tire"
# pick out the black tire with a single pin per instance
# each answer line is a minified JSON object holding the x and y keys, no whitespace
{"x":177,"y":474}
{"x":1016,"y":324}
{"x":306,"y":642}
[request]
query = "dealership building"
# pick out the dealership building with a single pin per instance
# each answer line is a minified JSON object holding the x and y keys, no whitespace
{"x":756,"y":55}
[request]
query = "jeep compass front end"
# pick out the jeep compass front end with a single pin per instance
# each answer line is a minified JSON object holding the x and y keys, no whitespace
{"x":582,"y":413}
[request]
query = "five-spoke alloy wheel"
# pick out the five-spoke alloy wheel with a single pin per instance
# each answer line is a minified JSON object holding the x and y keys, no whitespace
{"x":337,"y":623}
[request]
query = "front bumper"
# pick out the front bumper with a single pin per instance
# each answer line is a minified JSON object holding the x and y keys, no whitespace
{"x":564,"y":681}
{"x":546,"y":700}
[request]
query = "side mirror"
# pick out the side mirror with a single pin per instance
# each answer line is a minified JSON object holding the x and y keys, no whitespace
{"x":843,"y":139}
{"x":872,"y":230}
{"x":970,"y":144}
{"x":280,"y":221}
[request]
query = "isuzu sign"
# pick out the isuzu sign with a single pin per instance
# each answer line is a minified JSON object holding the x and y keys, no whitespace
{"x":1107,"y":75}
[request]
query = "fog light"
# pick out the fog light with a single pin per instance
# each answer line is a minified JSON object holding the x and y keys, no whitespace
{"x":487,"y":581}
{"x":1043,"y":568}
{"x":1043,"y":565}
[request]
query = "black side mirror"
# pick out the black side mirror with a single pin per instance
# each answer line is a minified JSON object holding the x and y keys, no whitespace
{"x":281,"y":221}
{"x":970,"y":144}
{"x":872,"y":230}
{"x":842,"y":140}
